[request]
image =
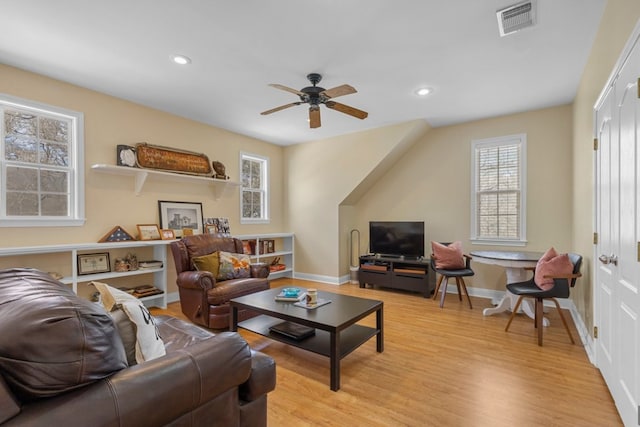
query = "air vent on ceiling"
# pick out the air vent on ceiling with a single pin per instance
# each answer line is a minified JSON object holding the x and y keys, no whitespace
{"x":516,"y":17}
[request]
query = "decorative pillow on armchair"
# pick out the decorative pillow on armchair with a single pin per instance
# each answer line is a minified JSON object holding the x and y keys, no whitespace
{"x":209,"y":263}
{"x":233,"y":266}
{"x":448,"y":257}
{"x":551,"y":264}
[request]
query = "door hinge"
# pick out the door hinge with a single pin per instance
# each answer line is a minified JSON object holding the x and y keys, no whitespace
{"x":595,"y":239}
{"x":595,"y":144}
{"x":638,"y":252}
{"x":595,"y":332}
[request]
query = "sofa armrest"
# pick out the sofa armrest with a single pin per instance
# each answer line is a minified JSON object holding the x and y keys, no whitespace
{"x":200,"y":280}
{"x":259,"y":270}
{"x":262,"y":379}
{"x":137,"y":396}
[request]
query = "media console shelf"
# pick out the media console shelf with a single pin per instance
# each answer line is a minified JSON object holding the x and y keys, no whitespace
{"x":396,"y":273}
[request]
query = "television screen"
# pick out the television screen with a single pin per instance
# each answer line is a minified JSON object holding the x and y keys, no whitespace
{"x":397,"y":238}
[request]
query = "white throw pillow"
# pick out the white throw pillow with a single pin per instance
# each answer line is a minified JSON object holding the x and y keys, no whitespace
{"x":149,"y":345}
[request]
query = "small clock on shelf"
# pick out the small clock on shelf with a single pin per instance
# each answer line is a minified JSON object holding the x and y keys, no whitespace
{"x":117,"y":234}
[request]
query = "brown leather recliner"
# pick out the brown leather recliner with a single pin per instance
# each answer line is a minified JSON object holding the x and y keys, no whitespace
{"x":63,"y":363}
{"x":203,"y":299}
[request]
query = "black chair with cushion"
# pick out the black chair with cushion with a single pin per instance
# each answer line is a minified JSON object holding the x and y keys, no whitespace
{"x":441,"y":255}
{"x":562,"y":283}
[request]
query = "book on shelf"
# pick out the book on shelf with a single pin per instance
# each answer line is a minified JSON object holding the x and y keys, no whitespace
{"x":150,"y":264}
{"x":146,"y":291}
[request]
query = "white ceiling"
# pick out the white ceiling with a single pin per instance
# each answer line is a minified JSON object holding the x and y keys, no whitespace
{"x":385,"y":49}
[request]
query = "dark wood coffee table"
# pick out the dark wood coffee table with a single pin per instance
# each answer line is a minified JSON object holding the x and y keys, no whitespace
{"x":337,"y":333}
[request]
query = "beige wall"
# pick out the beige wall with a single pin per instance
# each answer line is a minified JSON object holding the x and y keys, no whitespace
{"x":618,"y":21}
{"x":110,"y":200}
{"x":323,"y":175}
{"x":432,"y":183}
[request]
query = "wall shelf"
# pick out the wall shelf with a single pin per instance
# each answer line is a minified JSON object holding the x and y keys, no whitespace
{"x":220,"y":186}
{"x":72,"y":251}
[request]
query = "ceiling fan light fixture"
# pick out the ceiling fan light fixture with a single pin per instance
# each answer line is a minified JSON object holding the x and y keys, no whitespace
{"x":424,"y":91}
{"x":181,"y":59}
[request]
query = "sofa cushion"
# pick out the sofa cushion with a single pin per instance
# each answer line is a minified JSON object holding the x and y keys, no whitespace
{"x":127,"y":332}
{"x":233,"y":266}
{"x":51,"y":340}
{"x":149,"y":345}
{"x":8,"y":405}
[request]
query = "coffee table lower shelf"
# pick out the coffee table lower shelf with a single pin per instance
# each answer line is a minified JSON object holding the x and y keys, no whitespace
{"x":350,"y":338}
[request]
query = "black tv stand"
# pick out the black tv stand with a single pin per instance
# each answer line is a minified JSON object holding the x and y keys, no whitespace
{"x":397,"y":273}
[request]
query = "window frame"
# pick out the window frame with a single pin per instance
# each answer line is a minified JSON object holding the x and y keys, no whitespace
{"x":476,"y":145}
{"x":76,"y":213}
{"x":264,"y":161}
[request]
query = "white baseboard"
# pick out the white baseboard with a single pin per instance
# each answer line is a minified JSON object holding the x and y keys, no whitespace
{"x":331,"y":280}
{"x":173,"y":297}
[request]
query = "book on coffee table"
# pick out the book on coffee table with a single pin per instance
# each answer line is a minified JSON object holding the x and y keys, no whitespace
{"x":282,"y":297}
{"x":293,"y":330}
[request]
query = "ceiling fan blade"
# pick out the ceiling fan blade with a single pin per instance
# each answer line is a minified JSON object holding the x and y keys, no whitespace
{"x":288,"y":89}
{"x":338,"y":91}
{"x":347,"y":110}
{"x":282,"y":107}
{"x":314,"y":117}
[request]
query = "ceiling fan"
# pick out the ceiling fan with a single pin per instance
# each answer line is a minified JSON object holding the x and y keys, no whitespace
{"x":316,"y":95}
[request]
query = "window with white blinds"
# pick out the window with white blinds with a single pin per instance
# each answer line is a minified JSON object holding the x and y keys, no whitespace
{"x":498,"y":190}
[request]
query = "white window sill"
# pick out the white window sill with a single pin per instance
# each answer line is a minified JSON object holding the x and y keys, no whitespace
{"x":40,"y":222}
{"x":498,"y":242}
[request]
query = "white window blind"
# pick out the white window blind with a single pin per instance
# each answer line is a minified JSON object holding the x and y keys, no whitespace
{"x":498,"y":190}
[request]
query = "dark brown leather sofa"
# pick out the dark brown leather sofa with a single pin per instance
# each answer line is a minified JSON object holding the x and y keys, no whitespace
{"x":203,"y":299}
{"x":62,"y":363}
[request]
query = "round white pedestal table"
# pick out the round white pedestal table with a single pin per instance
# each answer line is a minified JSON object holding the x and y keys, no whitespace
{"x":514,"y":263}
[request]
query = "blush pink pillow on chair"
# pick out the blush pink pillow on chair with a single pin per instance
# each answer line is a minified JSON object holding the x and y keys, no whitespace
{"x":551,"y":264}
{"x":448,"y":257}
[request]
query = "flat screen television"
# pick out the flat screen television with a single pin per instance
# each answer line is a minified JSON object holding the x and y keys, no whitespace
{"x":397,"y":238}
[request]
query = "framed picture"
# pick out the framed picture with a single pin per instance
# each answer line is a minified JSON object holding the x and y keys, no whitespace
{"x":177,"y":216}
{"x":218,"y":226}
{"x":94,"y":263}
{"x":167,"y":234}
{"x":148,"y":232}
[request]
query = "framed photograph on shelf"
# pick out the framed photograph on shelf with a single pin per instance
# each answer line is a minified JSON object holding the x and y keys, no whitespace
{"x":177,"y":216}
{"x":94,"y":263}
{"x":167,"y":234}
{"x":218,"y":226}
{"x":148,"y":232}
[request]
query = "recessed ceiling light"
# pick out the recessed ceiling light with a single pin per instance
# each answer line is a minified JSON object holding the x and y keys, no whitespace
{"x":181,"y":59}
{"x":424,"y":91}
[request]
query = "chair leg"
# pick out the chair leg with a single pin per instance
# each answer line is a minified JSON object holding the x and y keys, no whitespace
{"x":464,"y":288}
{"x":539,"y":317}
{"x":459,"y":290}
{"x":513,"y":313}
{"x":564,"y":322}
{"x":435,"y":293}
{"x":444,"y":291}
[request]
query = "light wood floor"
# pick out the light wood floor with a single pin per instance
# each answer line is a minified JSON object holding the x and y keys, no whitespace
{"x":440,"y":367}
